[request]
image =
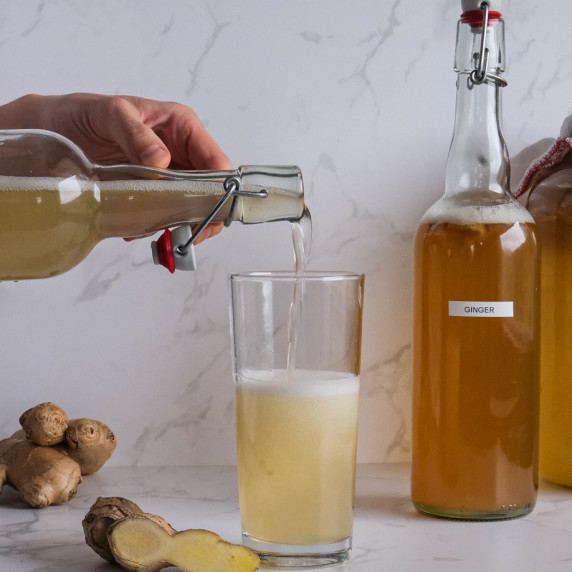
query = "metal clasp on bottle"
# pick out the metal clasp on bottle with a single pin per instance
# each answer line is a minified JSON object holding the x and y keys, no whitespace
{"x":232,"y":189}
{"x":181,"y":256}
{"x":480,"y":75}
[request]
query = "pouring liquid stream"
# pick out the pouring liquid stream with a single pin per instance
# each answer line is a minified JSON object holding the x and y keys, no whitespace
{"x":302,"y":240}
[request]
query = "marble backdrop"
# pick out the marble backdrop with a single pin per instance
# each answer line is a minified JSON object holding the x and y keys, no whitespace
{"x":360,"y":94}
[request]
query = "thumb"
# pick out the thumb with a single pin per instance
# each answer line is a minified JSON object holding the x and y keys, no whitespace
{"x":155,"y":154}
{"x":139,"y":143}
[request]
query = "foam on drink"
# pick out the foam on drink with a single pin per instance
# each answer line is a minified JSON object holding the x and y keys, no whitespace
{"x":8,"y":183}
{"x":300,"y":383}
{"x":461,"y":212}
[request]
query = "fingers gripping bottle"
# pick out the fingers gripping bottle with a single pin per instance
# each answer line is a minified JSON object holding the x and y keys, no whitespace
{"x":475,"y":330}
{"x":55,"y":205}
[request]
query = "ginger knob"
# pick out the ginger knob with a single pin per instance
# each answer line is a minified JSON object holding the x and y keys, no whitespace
{"x":45,"y":424}
{"x":45,"y":459}
{"x":90,"y":443}
{"x":42,"y":475}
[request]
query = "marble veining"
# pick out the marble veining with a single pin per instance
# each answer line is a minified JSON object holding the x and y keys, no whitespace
{"x":360,"y":94}
{"x":388,"y":533}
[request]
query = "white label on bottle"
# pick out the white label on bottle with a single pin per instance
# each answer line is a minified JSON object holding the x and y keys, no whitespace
{"x":482,"y":309}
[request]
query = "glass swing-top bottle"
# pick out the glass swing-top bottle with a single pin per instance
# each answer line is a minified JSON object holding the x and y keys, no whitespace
{"x":475,"y":346}
{"x":55,"y":205}
{"x":547,"y":188}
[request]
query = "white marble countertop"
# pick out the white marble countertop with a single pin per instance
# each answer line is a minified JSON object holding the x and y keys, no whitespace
{"x":388,"y":534}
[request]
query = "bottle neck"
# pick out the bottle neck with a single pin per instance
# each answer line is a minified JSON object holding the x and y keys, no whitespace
{"x":251,"y":194}
{"x":131,"y":200}
{"x":478,"y":158}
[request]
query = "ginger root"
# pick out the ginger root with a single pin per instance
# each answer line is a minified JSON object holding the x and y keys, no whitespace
{"x":90,"y":443}
{"x":146,"y":543}
{"x":42,"y":475}
{"x":103,"y":513}
{"x":45,"y":459}
{"x":45,"y":424}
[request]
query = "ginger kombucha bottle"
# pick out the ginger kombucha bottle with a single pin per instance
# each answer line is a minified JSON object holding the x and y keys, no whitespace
{"x":55,"y":205}
{"x":475,"y":339}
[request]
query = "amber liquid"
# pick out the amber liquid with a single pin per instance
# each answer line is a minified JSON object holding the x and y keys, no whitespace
{"x":554,"y":222}
{"x":475,"y":379}
{"x":41,"y":236}
{"x":48,"y":226}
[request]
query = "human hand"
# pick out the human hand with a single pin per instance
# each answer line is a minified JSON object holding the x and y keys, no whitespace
{"x":119,"y":129}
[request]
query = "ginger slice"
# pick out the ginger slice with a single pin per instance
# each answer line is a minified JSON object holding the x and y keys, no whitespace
{"x":138,"y":543}
{"x":102,"y":514}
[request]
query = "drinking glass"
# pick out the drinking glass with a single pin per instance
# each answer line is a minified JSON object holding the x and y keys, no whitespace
{"x":296,"y":359}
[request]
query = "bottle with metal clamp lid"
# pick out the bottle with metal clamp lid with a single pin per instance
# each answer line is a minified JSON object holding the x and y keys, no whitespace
{"x":250,"y":194}
{"x":55,"y":205}
{"x":475,"y":315}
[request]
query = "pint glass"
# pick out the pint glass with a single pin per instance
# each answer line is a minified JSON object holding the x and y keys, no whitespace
{"x":296,"y":357}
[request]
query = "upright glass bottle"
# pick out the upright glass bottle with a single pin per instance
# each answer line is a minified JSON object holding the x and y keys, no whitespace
{"x":475,"y":346}
{"x":550,"y":202}
{"x":55,"y":205}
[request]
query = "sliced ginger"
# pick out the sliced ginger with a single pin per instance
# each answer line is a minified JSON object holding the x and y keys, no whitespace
{"x":140,"y":544}
{"x":104,"y":512}
{"x":147,"y":543}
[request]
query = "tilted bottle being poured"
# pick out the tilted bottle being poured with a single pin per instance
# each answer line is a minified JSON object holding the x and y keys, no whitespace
{"x":55,"y":205}
{"x":475,"y":338}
